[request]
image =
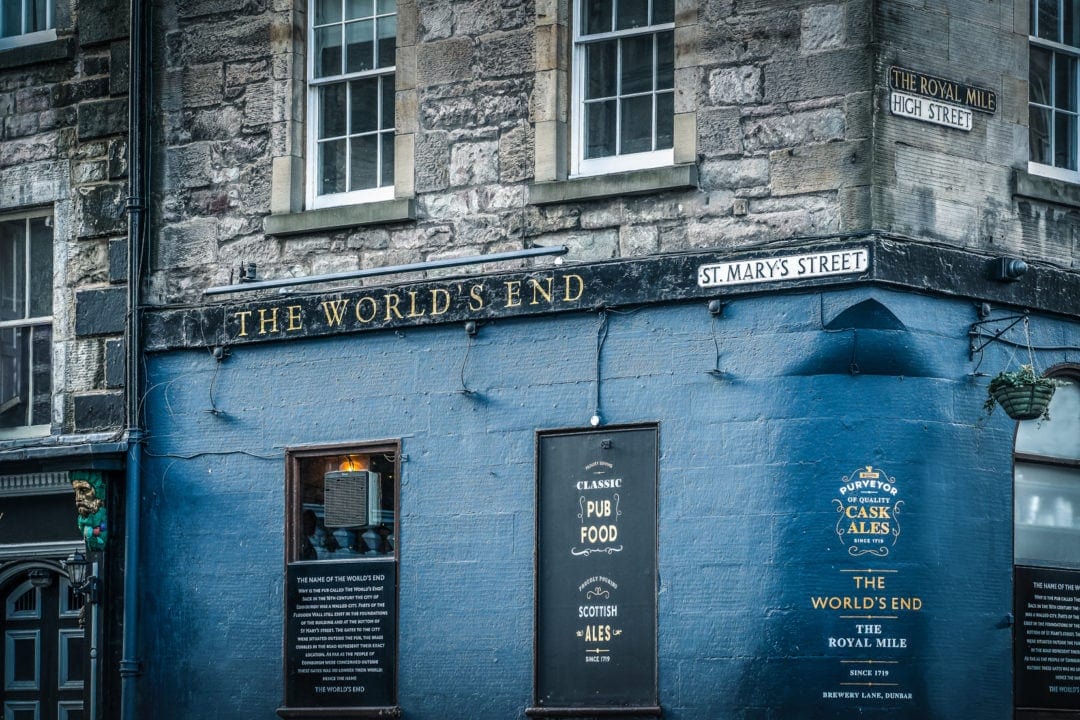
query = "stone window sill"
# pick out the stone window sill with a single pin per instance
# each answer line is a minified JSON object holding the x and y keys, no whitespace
{"x":337,"y":218}
{"x":635,"y":182}
{"x":21,"y":55}
{"x":1052,"y":190}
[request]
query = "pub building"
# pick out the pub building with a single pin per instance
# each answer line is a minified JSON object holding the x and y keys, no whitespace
{"x":568,"y":358}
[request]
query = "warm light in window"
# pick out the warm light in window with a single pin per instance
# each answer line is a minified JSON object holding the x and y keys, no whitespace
{"x":352,"y":463}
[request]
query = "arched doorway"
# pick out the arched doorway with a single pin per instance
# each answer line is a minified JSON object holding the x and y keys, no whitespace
{"x":42,"y":652}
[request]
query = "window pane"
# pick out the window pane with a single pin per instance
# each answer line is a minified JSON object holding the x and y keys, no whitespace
{"x":387,"y":102}
{"x":12,"y":270}
{"x":358,"y":9}
{"x":632,"y":14}
{"x":1047,"y":514}
{"x":1069,"y":25}
{"x":11,"y":19}
{"x":328,"y":51}
{"x":347,"y":506}
{"x":25,"y":603}
{"x":332,"y":107}
{"x":360,"y":41}
{"x":637,"y":65}
{"x":38,"y":18}
{"x":1048,"y":19}
{"x":663,"y":11}
{"x":665,"y":60}
{"x":636,"y":126}
{"x":387,"y":40}
{"x":1058,"y":437}
{"x":387,"y":6}
{"x":665,"y":120}
{"x":1039,"y":135}
{"x":1039,"y":76}
{"x":364,"y":116}
{"x":596,"y":16}
{"x":42,"y":374}
{"x":600,"y":70}
{"x":331,"y":167}
{"x":41,"y":273}
{"x":327,"y":11}
{"x":600,"y":129}
{"x":387,"y":159}
{"x":1064,"y":82}
{"x":365,"y":162}
{"x":24,"y":713}
{"x":1065,"y":141}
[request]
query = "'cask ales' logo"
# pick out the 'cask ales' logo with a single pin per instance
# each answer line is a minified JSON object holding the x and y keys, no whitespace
{"x":869,"y":512}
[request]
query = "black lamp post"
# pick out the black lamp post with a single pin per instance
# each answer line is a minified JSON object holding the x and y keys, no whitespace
{"x":82,"y":581}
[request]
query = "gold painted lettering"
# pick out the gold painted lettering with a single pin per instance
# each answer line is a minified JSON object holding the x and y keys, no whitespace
{"x":438,"y":294}
{"x":360,"y":305}
{"x":243,"y":315}
{"x":412,"y":306}
{"x":293,"y":315}
{"x":334,"y":310}
{"x":513,"y":293}
{"x":476,"y":301}
{"x":392,"y":300}
{"x":264,"y":321}
{"x":538,"y":290}
{"x":574,"y":286}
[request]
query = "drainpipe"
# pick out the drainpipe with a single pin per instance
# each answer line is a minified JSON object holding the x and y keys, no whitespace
{"x":138,"y":126}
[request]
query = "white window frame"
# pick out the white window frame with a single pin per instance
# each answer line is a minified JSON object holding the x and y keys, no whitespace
{"x":579,"y":165}
{"x":27,"y":431}
{"x":24,"y":38}
{"x":1037,"y":168}
{"x":313,"y":199}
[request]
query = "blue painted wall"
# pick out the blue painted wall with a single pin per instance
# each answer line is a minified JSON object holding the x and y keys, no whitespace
{"x":750,"y":462}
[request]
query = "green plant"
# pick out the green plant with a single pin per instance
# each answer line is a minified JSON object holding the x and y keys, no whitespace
{"x":1023,"y":386}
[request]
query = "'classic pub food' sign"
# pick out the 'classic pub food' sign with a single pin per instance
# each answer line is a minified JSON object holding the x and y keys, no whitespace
{"x":596,"y":569}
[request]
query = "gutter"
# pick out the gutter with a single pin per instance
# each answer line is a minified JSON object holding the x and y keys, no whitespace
{"x":138,"y":132}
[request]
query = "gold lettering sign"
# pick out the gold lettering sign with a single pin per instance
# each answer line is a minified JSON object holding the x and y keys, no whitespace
{"x":416,"y":305}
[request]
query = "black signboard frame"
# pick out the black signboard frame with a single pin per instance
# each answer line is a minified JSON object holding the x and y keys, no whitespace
{"x":596,"y":572}
{"x":368,"y":586}
{"x":1047,"y":607}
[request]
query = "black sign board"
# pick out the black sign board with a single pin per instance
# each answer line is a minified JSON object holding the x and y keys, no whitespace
{"x":1047,"y":643}
{"x":341,"y":634}
{"x":596,"y":569}
{"x":38,"y":518}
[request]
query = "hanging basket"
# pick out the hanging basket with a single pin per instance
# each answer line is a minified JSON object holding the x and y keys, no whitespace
{"x":1025,"y":401}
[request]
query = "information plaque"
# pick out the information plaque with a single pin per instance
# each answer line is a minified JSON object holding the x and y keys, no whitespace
{"x":1047,"y":641}
{"x":596,"y":569}
{"x":341,"y":635}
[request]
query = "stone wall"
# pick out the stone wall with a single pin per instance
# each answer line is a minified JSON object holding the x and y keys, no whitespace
{"x":781,"y":94}
{"x":63,"y":146}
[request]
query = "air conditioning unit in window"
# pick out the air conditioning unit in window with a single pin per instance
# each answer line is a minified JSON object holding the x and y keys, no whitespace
{"x":352,"y":498}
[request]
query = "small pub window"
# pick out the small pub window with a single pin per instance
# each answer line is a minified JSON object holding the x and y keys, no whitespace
{"x":341,"y":581}
{"x":1046,"y":556}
